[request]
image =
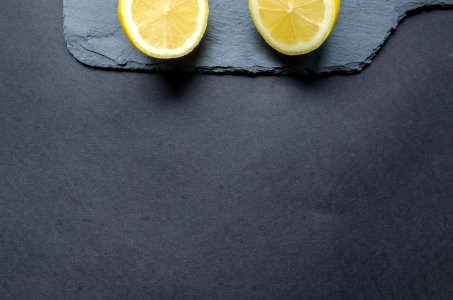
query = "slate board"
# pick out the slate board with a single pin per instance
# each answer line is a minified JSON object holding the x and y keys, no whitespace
{"x":232,"y":44}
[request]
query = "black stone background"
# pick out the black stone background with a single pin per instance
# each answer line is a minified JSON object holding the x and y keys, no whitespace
{"x":123,"y":185}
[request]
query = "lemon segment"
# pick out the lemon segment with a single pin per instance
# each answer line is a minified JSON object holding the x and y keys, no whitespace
{"x":294,"y":27}
{"x":164,"y":28}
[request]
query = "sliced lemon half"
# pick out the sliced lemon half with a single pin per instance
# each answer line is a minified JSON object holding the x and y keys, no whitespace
{"x":164,"y":28}
{"x":294,"y":27}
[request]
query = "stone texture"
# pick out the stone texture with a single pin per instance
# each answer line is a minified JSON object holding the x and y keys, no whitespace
{"x":232,"y":44}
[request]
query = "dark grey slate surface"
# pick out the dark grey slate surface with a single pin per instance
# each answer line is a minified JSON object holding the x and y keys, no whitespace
{"x":137,"y":186}
{"x":232,"y":44}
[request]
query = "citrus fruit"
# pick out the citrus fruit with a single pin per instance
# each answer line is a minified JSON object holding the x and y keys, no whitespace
{"x":164,"y":28}
{"x":294,"y":27}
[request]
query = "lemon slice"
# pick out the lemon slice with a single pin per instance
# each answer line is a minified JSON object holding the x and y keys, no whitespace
{"x":164,"y":28}
{"x":294,"y":27}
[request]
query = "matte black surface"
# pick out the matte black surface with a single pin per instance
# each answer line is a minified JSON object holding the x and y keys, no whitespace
{"x":141,"y":186}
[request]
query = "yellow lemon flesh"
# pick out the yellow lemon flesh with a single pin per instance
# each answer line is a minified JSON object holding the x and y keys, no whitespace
{"x":164,"y":28}
{"x":294,"y":27}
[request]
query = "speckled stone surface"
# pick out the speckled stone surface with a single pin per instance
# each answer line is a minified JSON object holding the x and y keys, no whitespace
{"x":232,"y":44}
